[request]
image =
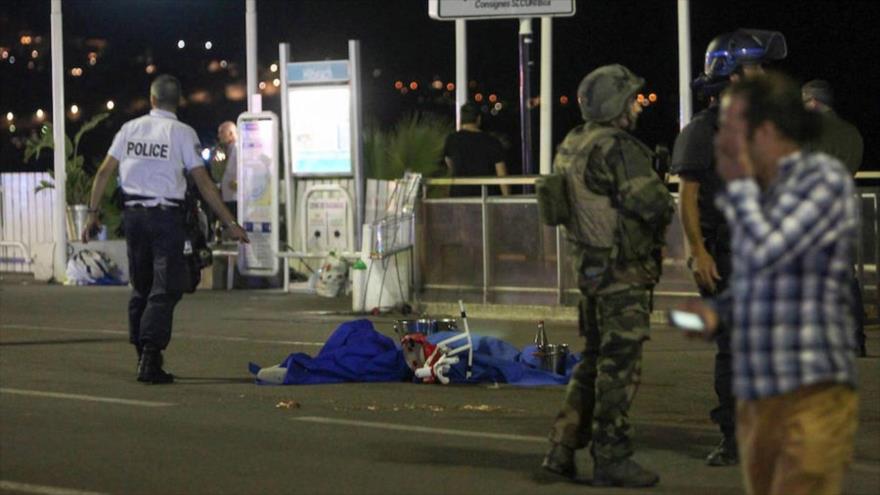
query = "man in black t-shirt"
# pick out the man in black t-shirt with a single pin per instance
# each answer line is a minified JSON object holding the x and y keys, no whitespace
{"x":470,"y":152}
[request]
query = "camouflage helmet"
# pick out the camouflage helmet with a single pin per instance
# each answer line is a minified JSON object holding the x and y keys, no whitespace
{"x":603,"y":94}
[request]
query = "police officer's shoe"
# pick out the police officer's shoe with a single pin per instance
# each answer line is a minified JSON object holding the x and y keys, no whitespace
{"x":626,"y":473}
{"x":150,"y":368}
{"x":725,"y":454}
{"x":560,"y":461}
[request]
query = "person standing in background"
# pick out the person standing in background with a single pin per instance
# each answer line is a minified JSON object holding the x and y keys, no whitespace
{"x":470,"y":152}
{"x":843,"y":141}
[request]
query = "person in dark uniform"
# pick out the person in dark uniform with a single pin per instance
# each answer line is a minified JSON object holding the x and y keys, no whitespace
{"x":843,"y":141}
{"x":729,"y":57}
{"x":153,"y":153}
{"x":470,"y":152}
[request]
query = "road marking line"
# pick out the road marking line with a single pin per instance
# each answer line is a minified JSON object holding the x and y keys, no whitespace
{"x":176,"y":335}
{"x":43,"y":490}
{"x":861,"y":466}
{"x":422,"y":429}
{"x":91,"y":398}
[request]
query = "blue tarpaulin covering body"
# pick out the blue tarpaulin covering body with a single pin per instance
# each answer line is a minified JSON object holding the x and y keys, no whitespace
{"x":356,"y":352}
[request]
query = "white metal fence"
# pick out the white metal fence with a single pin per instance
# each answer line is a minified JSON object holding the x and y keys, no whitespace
{"x":25,"y":217}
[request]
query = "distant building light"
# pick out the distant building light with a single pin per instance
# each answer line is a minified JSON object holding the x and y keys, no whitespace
{"x":74,"y":109}
{"x":493,"y":98}
{"x":652,"y":97}
{"x":40,"y":114}
{"x":478,"y":97}
{"x":76,"y":71}
{"x":563,"y":100}
{"x":26,"y":40}
{"x":110,"y":104}
{"x":398,"y":84}
{"x":276,"y":82}
{"x":35,"y":54}
{"x":414,"y":85}
{"x":10,"y":116}
{"x":208,"y":45}
{"x":224,"y":63}
{"x":498,"y":106}
{"x":12,"y":128}
{"x":93,"y":61}
{"x":4,"y":54}
{"x":150,"y":69}
{"x":450,"y":86}
{"x":273,"y":68}
{"x":640,"y":98}
{"x":437,"y":84}
{"x":181,"y":44}
{"x":404,"y":90}
{"x":262,"y":85}
{"x":12,"y":59}
{"x":31,"y":64}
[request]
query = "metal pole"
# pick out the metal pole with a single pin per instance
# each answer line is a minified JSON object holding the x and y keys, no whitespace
{"x":546,"y":122}
{"x":684,"y":63}
{"x":461,"y":89}
{"x":59,"y":265}
{"x":283,"y":60}
{"x":484,"y":221}
{"x":250,"y":17}
{"x":357,"y":154}
{"x":525,"y":93}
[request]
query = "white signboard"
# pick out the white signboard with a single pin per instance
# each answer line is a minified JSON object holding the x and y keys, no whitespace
{"x":320,"y":130}
{"x":445,"y":10}
{"x":258,"y":193}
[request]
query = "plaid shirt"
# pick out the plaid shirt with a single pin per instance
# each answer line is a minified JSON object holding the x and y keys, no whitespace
{"x":790,"y":297}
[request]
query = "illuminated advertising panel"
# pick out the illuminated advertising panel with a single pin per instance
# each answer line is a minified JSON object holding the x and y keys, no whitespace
{"x":320,"y":130}
{"x":257,"y":192}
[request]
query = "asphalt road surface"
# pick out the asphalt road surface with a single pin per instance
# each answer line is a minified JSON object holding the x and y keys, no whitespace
{"x":74,"y":421}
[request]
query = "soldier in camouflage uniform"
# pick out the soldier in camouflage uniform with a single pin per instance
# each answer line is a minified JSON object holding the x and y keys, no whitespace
{"x":620,"y":210}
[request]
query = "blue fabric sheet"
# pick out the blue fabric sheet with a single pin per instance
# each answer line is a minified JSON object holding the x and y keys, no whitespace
{"x":356,"y":352}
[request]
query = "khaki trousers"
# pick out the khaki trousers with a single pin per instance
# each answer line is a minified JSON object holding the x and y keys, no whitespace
{"x":797,"y":443}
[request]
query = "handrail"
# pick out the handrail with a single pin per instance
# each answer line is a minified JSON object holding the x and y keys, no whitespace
{"x":530,"y":179}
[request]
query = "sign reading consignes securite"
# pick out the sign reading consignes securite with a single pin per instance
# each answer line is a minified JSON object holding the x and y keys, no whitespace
{"x":447,"y":10}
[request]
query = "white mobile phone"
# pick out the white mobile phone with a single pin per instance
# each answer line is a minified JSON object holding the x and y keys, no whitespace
{"x":685,"y":320}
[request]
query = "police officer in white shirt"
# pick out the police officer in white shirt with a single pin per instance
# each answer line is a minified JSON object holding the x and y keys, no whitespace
{"x":152,"y":154}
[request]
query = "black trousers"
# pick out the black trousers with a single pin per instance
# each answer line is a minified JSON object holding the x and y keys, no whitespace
{"x":858,"y":310}
{"x":154,"y":238}
{"x":724,"y":415}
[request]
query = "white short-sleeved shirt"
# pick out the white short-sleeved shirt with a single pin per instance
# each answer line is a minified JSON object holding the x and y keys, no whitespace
{"x":153,"y":153}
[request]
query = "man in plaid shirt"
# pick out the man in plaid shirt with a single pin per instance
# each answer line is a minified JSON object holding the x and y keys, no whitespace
{"x":794,"y":222}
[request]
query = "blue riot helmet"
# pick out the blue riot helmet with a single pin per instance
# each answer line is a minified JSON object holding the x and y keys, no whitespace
{"x":728,"y":52}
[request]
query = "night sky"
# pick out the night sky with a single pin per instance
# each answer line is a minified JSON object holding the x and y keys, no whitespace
{"x":833,"y":40}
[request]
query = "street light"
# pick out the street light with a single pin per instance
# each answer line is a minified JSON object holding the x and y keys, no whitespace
{"x":208,"y":45}
{"x":181,"y":44}
{"x":74,"y":109}
{"x":110,"y":105}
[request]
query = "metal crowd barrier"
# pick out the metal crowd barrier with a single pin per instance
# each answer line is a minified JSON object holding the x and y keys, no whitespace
{"x":473,"y":247}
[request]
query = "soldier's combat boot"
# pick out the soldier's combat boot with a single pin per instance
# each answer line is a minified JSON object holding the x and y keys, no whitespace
{"x":725,"y":454}
{"x":560,"y":461}
{"x":150,"y":367}
{"x":626,"y":473}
